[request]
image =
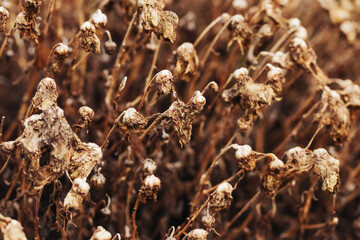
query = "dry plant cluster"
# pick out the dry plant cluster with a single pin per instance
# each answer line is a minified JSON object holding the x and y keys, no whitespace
{"x":165,"y":119}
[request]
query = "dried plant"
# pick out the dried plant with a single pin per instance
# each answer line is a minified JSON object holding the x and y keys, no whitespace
{"x":163,"y":119}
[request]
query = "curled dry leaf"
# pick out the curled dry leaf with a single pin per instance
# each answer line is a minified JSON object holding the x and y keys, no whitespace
{"x":155,"y":19}
{"x":182,"y":115}
{"x":327,"y":168}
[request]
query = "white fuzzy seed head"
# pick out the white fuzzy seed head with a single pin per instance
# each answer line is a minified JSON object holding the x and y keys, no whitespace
{"x":129,"y":115}
{"x":198,"y":234}
{"x":101,"y":234}
{"x":149,"y":166}
{"x":240,"y":4}
{"x":86,"y":113}
{"x":61,"y":49}
{"x":99,"y":19}
{"x":299,"y":43}
{"x":88,"y":28}
{"x":81,"y":186}
{"x":276,"y":164}
{"x":242,"y":151}
{"x":198,"y":100}
{"x":294,"y":23}
{"x":152,"y":181}
{"x":274,"y":72}
{"x":240,"y":73}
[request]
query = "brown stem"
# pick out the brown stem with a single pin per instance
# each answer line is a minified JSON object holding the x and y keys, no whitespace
{"x":245,"y":207}
{"x":212,"y":44}
{"x":192,"y":219}
{"x":36,"y":219}
{"x":148,"y":81}
{"x":134,"y":230}
{"x":119,"y":58}
{"x":5,"y":164}
{"x":206,"y":30}
{"x":7,"y":35}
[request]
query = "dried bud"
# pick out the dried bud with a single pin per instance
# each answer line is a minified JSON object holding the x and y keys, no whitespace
{"x":245,"y":156}
{"x":164,"y":81}
{"x":198,"y":234}
{"x":241,"y":31}
{"x":275,"y":78}
{"x":99,"y":19}
{"x":11,"y":229}
{"x":57,"y":57}
{"x":28,"y":26}
{"x":98,"y":180}
{"x":327,"y":168}
{"x":221,"y":197}
{"x":240,"y":4}
{"x":110,"y":47}
{"x":275,"y":163}
{"x":197,"y":101}
{"x":334,"y":114}
{"x":283,"y":59}
{"x":149,"y":166}
{"x":46,"y":95}
{"x":4,"y":16}
{"x":297,"y":160}
{"x":61,"y":50}
{"x":77,"y":193}
{"x":7,"y":147}
{"x":32,"y":7}
{"x":187,"y":61}
{"x":149,"y":188}
{"x":133,"y":119}
{"x":241,"y":74}
{"x":86,"y":113}
{"x":208,"y":221}
{"x":89,"y":40}
{"x":101,"y":234}
{"x":301,"y":53}
{"x":350,"y":29}
{"x":88,"y":28}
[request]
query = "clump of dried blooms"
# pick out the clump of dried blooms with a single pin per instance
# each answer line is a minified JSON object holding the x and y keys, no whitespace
{"x":4,"y":16}
{"x":90,"y":42}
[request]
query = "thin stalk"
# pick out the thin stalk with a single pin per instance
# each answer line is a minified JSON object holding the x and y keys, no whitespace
{"x":206,"y":30}
{"x":148,"y":78}
{"x":36,"y":219}
{"x":192,"y":219}
{"x":103,"y":145}
{"x":7,"y":35}
{"x":117,"y":66}
{"x":5,"y":164}
{"x":134,"y":230}
{"x":212,"y":44}
{"x":2,"y":127}
{"x":244,"y":208}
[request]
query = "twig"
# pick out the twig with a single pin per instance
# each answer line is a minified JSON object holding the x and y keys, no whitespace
{"x":134,"y":230}
{"x":192,"y":219}
{"x":148,"y":81}
{"x":36,"y":219}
